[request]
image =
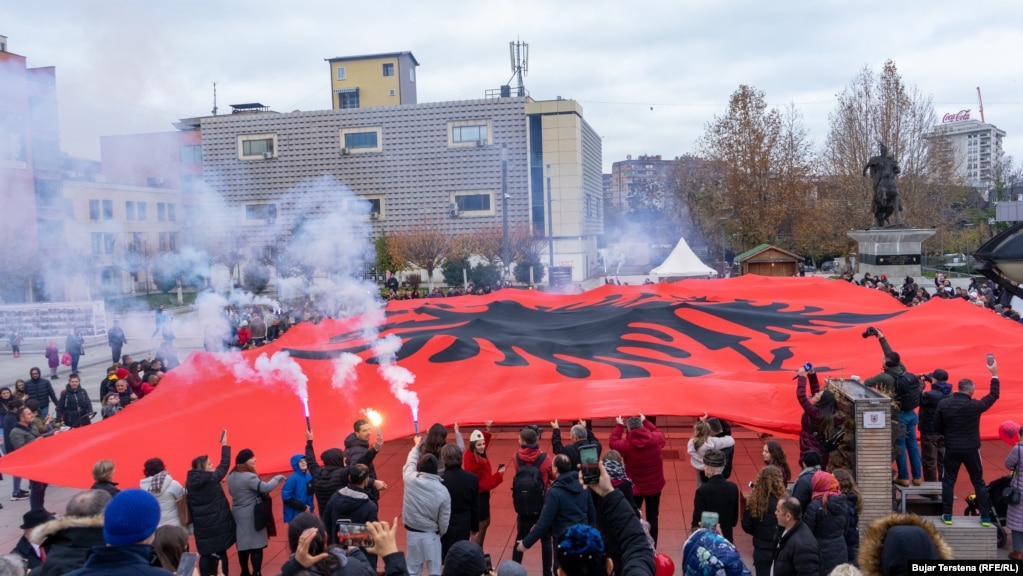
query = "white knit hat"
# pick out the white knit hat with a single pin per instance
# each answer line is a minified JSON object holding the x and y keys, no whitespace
{"x":476,"y":436}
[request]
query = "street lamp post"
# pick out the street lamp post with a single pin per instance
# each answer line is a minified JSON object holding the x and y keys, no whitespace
{"x":550,"y":222}
{"x":504,"y":210}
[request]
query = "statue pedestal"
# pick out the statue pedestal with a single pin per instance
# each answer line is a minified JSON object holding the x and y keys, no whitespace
{"x":892,"y":251}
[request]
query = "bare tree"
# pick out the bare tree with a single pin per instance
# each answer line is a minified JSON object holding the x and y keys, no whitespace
{"x":423,"y":245}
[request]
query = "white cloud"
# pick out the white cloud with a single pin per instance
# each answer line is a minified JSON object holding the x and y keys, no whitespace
{"x":125,"y":67}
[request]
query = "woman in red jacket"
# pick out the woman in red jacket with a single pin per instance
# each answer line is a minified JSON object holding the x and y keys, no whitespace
{"x":641,"y":448}
{"x":475,"y":460}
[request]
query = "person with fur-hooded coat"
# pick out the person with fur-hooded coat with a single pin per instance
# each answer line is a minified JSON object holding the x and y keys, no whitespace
{"x":827,"y":515}
{"x":68,"y":541}
{"x":895,"y":539}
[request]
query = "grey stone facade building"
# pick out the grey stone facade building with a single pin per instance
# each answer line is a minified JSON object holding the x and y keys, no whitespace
{"x":434,"y":164}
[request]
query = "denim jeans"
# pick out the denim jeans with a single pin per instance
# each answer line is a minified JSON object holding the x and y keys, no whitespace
{"x":909,"y":419}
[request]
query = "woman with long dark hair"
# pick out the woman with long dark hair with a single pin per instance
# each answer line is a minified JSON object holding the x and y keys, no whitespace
{"x":475,"y":460}
{"x":333,"y":561}
{"x":436,"y":438}
{"x":245,"y":487}
{"x":758,"y":518}
{"x":169,"y":543}
{"x":847,"y":485}
{"x":212,"y":522}
{"x":774,"y":455}
{"x":819,"y":420}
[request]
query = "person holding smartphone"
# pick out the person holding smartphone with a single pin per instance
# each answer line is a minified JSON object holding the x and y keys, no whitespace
{"x":567,"y":503}
{"x":475,"y":460}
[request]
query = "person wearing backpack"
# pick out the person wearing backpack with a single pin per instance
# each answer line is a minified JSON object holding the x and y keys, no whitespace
{"x":530,"y":482}
{"x":567,"y":503}
{"x":904,"y":388}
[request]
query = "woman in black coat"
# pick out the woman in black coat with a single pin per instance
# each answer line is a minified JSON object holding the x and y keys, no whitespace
{"x":464,"y":488}
{"x":74,"y":406}
{"x":759,"y":519}
{"x":828,"y":516}
{"x":211,"y":514}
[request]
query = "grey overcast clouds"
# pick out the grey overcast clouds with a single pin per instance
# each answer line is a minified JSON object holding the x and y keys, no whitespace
{"x":649,"y":75}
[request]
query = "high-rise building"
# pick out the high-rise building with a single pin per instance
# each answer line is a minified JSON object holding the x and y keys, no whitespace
{"x":644,"y":178}
{"x":976,"y":147}
{"x":373,"y":80}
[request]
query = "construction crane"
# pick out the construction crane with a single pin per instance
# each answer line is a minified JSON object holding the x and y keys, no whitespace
{"x":981,"y":101}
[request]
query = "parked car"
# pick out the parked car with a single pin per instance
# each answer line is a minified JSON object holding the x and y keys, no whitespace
{"x":828,"y":266}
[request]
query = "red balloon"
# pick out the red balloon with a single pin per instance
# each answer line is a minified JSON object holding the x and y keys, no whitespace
{"x":1008,"y":432}
{"x":665,"y":566}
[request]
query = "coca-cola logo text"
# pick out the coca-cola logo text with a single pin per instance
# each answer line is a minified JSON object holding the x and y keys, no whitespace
{"x":957,"y":117}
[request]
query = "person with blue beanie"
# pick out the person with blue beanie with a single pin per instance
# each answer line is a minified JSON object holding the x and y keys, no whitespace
{"x":129,"y":524}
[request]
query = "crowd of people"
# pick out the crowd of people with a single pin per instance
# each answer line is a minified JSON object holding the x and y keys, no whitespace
{"x":979,"y":292}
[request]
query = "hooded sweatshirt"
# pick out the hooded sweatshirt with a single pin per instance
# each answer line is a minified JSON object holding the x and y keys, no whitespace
{"x":940,"y":390}
{"x":330,"y":477}
{"x":296,"y":494}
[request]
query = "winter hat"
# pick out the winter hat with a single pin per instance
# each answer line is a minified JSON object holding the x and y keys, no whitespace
{"x":939,"y":374}
{"x":130,"y":517}
{"x":33,"y":518}
{"x":464,"y":558}
{"x":244,"y":456}
{"x":510,"y":568}
{"x":476,"y":436}
{"x":634,"y":422}
{"x":714,"y":458}
{"x":122,"y":373}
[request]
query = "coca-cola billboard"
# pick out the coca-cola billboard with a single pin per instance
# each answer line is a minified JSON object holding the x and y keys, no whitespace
{"x":957,"y":117}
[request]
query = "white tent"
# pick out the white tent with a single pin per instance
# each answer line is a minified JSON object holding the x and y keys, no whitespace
{"x":683,"y":263}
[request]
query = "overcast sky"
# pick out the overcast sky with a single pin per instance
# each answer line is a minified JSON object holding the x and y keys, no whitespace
{"x":649,"y":75}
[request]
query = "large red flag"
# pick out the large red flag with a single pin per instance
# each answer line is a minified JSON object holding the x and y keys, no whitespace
{"x":728,"y":347}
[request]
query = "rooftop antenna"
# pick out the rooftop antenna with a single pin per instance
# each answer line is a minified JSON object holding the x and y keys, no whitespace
{"x":519,"y":62}
{"x":214,"y":98}
{"x":981,"y":100}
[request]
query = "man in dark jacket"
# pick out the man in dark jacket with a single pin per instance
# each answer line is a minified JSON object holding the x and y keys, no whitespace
{"x":351,"y":503}
{"x":24,"y":547}
{"x":10,"y":421}
{"x":24,"y":433}
{"x":802,"y":489}
{"x":464,"y":488}
{"x":356,"y":447}
{"x":74,"y":407}
{"x":717,"y":495}
{"x":905,"y":390}
{"x":959,"y":422}
{"x":40,"y":390}
{"x":796,"y":554}
{"x":116,"y":340}
{"x":75,"y":346}
{"x":932,"y":443}
{"x":580,"y":436}
{"x":68,"y":541}
{"x":129,"y":526}
{"x":566,"y":504}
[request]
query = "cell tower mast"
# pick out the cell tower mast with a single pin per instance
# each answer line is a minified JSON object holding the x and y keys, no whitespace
{"x":519,"y":63}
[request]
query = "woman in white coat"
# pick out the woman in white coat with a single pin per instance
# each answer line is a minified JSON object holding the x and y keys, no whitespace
{"x":167,"y":490}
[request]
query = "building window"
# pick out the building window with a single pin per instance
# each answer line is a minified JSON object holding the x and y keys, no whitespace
{"x":161,"y":211}
{"x":142,"y":211}
{"x":97,"y":242}
{"x":163,"y":241}
{"x":191,"y":154}
{"x":473,"y":203}
{"x":108,"y":209}
{"x":171,"y":213}
{"x":341,"y":73}
{"x":257,"y":146}
{"x":412,"y":74}
{"x":347,"y":98}
{"x":129,"y":210}
{"x":93,"y":209}
{"x":261,"y":212}
{"x":138,"y":242}
{"x":356,"y":140}
{"x":108,"y":242}
{"x":463,"y":133}
{"x":388,"y":69}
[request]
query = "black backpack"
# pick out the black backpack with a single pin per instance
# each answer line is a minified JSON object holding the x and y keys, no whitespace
{"x":527,"y":487}
{"x":907,"y":390}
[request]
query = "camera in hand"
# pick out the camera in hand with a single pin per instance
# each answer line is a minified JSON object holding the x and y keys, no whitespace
{"x":349,"y":534}
{"x":870,"y":331}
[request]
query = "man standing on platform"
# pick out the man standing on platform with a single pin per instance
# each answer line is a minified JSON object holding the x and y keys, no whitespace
{"x":959,"y":422}
{"x":932,"y":443}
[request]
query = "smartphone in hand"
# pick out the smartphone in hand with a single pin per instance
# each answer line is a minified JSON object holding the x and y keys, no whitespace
{"x":186,"y":566}
{"x":589,"y":466}
{"x":990,"y":359}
